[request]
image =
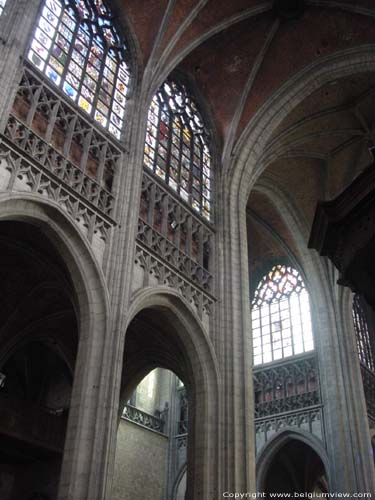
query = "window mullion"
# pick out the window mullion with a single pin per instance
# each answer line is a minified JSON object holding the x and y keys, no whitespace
{"x":71,"y":46}
{"x":169,"y":148}
{"x":271,"y":332}
{"x":292,"y":333}
{"x":201,"y":184}
{"x":301,"y":321}
{"x":157,"y":139}
{"x":191,"y":175}
{"x":98,"y":85}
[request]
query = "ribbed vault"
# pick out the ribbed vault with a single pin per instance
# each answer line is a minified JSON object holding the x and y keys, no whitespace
{"x":238,"y":53}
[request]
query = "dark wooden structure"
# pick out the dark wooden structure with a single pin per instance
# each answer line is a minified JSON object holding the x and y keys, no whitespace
{"x":344,"y":231}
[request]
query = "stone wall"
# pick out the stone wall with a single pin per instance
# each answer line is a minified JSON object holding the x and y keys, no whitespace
{"x":141,"y":463}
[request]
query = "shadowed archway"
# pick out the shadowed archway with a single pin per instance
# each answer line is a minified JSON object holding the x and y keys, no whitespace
{"x":293,"y":462}
{"x":164,"y":333}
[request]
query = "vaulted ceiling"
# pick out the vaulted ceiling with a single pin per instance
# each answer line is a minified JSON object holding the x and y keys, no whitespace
{"x":238,"y":52}
{"x":36,"y":295}
{"x":315,"y":153}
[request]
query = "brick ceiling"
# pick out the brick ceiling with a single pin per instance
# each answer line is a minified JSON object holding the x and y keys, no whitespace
{"x":238,"y":52}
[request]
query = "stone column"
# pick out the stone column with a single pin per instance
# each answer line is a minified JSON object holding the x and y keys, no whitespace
{"x":234,"y":349}
{"x":345,"y":416}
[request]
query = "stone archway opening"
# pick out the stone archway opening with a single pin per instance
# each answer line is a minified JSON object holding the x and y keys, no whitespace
{"x":295,"y":468}
{"x":38,"y":347}
{"x":156,"y":340}
{"x":152,"y":438}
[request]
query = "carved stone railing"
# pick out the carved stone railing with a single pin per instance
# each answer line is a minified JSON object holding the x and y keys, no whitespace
{"x":287,"y":404}
{"x":154,"y":266}
{"x":47,"y":158}
{"x":56,"y":142}
{"x":308,"y":419}
{"x":175,"y":234}
{"x":145,"y":419}
{"x":368,"y":380}
{"x":18,"y":173}
{"x":35,"y":425}
{"x":176,"y":258}
{"x":286,"y":387}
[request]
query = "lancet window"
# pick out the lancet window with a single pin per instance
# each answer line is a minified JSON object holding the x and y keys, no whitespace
{"x":361,"y":328}
{"x":77,"y":45}
{"x":177,"y":146}
{"x":281,"y":322}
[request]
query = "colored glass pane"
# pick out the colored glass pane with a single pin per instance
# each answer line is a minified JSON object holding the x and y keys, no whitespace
{"x":177,"y":146}
{"x":78,"y":47}
{"x":281,"y":321}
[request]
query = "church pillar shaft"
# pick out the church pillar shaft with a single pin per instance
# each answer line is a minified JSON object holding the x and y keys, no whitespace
{"x":235,"y":354}
{"x":345,"y":417}
{"x":92,"y":418}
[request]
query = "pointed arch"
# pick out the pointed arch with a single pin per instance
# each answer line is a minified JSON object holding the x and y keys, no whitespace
{"x":178,"y":145}
{"x":89,"y":395}
{"x":162,"y":331}
{"x":281,"y":322}
{"x":277,"y":442}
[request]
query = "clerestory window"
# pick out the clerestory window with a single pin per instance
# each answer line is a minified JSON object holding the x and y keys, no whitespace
{"x":77,"y":45}
{"x":281,"y":322}
{"x":361,"y":328}
{"x":177,"y":146}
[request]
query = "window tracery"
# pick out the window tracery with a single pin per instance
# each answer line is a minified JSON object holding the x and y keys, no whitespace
{"x":78,"y":47}
{"x":281,"y":323}
{"x":176,"y":146}
{"x":361,"y":328}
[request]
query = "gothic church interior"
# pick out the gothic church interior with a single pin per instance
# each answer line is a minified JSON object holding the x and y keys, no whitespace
{"x":187,"y":225}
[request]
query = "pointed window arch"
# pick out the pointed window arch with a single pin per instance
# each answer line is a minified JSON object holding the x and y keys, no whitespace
{"x":177,"y":146}
{"x":281,"y":322}
{"x":361,"y":328}
{"x":78,"y":46}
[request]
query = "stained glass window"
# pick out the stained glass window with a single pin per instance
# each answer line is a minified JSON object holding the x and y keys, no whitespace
{"x":77,"y":46}
{"x":281,"y":322}
{"x":176,"y":146}
{"x":2,"y":5}
{"x":361,"y":328}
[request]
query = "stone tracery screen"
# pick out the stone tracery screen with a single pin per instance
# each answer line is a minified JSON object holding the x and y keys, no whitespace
{"x":281,"y":322}
{"x":176,"y":147}
{"x":365,"y":352}
{"x":78,"y":47}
